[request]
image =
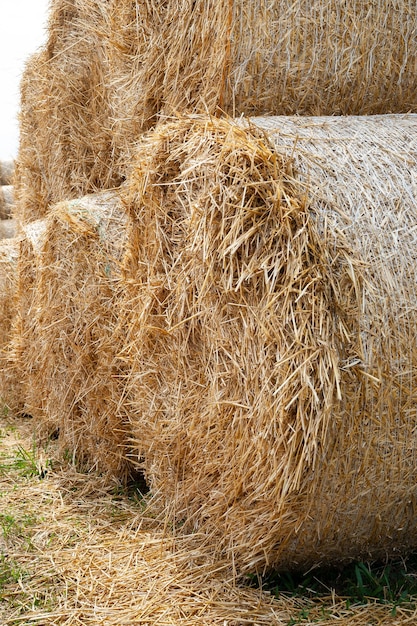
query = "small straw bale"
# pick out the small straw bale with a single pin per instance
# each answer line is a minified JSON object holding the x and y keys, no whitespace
{"x":271,"y":329}
{"x":6,"y":201}
{"x":74,"y":385}
{"x":6,"y":172}
{"x":8,"y":273}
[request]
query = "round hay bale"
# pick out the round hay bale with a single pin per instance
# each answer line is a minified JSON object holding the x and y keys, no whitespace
{"x":8,"y":273}
{"x":284,"y":57}
{"x":24,"y":330}
{"x":6,"y":202}
{"x":7,"y":229}
{"x":271,"y":323}
{"x":6,"y":172}
{"x":69,"y":362}
{"x":109,"y":70}
{"x":65,"y":146}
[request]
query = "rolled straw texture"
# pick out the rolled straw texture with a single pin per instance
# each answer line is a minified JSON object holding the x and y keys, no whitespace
{"x":81,"y":108}
{"x":321,"y":57}
{"x":74,"y":384}
{"x":272,"y":328}
{"x":8,"y":274}
{"x":6,"y":201}
{"x":6,"y":172}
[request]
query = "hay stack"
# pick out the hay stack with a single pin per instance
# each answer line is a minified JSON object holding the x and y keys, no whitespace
{"x":6,"y":201}
{"x":8,"y":273}
{"x":6,"y":172}
{"x":74,"y":387}
{"x":109,"y":69}
{"x":80,"y":102}
{"x":271,"y":334}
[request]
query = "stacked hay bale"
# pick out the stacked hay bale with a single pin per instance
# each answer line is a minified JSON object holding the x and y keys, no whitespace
{"x":271,"y":334}
{"x":284,"y":57}
{"x":65,"y":130}
{"x":8,"y":262}
{"x":266,"y":402}
{"x":7,"y":224}
{"x":6,"y":172}
{"x":77,"y":112}
{"x":67,"y":360}
{"x":23,"y":329}
{"x":109,"y":70}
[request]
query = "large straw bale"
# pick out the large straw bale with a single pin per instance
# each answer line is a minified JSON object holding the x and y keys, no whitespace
{"x":321,"y":57}
{"x":8,"y":273}
{"x":81,"y":107}
{"x":69,"y":361}
{"x":109,"y":69}
{"x":6,"y":172}
{"x":6,"y":201}
{"x":65,"y":134}
{"x":272,"y":328}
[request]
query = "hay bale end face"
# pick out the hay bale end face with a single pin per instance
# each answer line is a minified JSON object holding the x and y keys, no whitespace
{"x":6,"y":172}
{"x":6,"y":202}
{"x":8,"y":275}
{"x":69,"y":362}
{"x":271,"y":334}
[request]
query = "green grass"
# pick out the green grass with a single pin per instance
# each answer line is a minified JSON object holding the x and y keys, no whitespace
{"x":24,"y":462}
{"x":10,"y":572}
{"x":393,"y":582}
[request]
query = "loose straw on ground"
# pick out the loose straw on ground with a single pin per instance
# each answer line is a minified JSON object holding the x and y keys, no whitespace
{"x":85,"y":555}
